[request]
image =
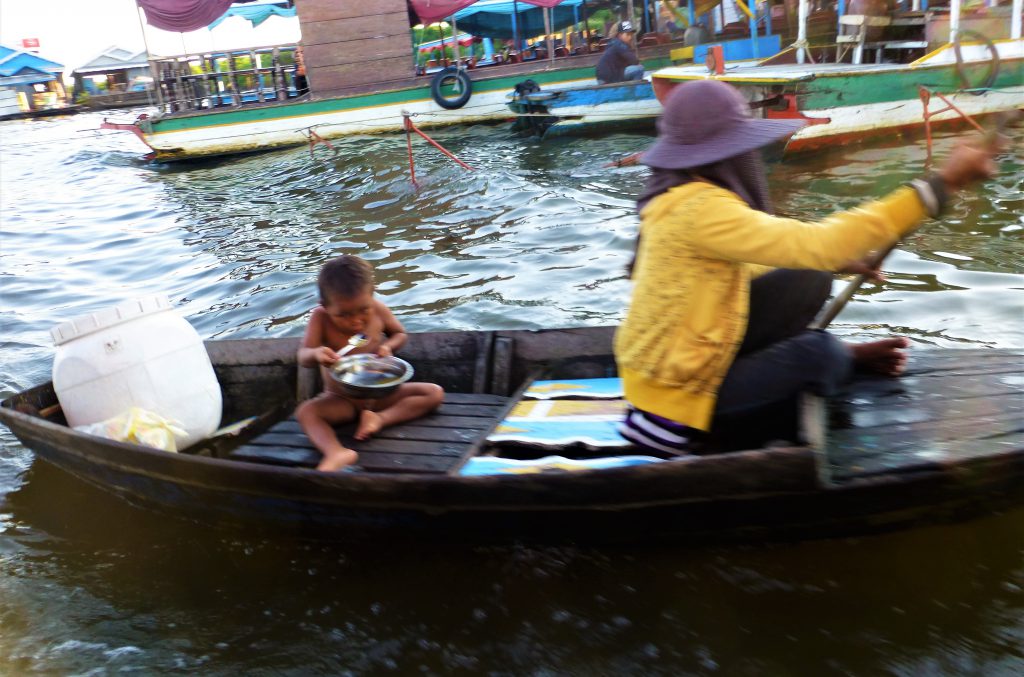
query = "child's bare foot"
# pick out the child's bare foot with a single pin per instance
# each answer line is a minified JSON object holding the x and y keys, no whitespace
{"x":338,"y":460}
{"x":370,"y":422}
{"x":884,"y":357}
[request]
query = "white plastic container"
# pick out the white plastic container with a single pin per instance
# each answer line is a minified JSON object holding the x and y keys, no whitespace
{"x":140,"y":353}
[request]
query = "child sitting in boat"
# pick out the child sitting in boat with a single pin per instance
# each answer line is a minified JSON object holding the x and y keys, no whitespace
{"x":347,"y":308}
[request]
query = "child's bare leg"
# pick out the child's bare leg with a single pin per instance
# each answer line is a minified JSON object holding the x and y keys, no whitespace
{"x":410,"y":401}
{"x":317,"y":418}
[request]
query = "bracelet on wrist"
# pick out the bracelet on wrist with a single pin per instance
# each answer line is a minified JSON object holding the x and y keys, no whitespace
{"x":931,"y":190}
{"x":938,"y":185}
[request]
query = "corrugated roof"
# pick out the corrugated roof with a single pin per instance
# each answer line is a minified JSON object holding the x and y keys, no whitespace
{"x":13,"y":60}
{"x":113,"y":59}
{"x":23,"y":68}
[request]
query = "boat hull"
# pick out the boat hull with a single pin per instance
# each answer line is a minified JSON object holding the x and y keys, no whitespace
{"x":590,"y":109}
{"x":257,"y":128}
{"x":261,"y":127}
{"x":782,"y":492}
{"x":608,"y":508}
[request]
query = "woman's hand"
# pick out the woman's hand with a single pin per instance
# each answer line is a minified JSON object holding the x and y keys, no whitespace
{"x":385,"y":350}
{"x":970,"y":162}
{"x":871,"y":270}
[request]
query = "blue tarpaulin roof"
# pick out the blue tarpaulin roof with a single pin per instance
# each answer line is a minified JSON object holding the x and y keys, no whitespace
{"x":257,"y":12}
{"x":23,"y":68}
{"x":494,"y":18}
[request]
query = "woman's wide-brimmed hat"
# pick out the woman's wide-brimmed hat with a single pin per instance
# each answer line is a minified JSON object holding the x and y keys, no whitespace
{"x":707,"y":121}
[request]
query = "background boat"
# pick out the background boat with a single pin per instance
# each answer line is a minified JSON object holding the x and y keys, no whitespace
{"x":362,"y":76}
{"x":977,"y":65}
{"x":601,"y":108}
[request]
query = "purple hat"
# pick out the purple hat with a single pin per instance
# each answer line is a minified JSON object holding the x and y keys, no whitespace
{"x":707,"y":121}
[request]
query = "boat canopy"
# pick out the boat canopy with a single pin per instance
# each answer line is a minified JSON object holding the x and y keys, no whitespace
{"x":430,"y":11}
{"x":509,"y":18}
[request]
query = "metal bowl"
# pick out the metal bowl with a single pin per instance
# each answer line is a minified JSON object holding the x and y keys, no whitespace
{"x":365,"y":376}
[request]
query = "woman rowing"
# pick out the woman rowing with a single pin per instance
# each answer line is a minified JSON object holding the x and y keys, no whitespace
{"x":716,"y":332}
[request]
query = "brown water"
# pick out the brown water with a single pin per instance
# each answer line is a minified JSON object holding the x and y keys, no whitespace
{"x":537,"y":237}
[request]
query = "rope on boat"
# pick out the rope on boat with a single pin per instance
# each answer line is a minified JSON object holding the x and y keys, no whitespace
{"x":409,"y":129}
{"x":926,"y":95}
{"x":315,"y":140}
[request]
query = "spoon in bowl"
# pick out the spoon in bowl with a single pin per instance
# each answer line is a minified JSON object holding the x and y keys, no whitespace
{"x":354,"y":342}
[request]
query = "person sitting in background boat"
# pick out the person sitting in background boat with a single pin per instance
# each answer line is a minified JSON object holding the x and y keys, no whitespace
{"x":716,"y":334}
{"x":348,"y":307}
{"x":618,"y":62}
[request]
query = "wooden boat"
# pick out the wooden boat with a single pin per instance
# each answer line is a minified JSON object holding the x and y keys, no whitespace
{"x":362,"y":79}
{"x":944,"y":442}
{"x":843,"y":98}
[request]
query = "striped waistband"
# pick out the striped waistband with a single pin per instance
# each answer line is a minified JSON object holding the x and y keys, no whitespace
{"x":656,"y":432}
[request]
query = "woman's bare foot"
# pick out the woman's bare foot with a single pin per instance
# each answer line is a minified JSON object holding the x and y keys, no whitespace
{"x":338,"y":460}
{"x":884,"y":357}
{"x":370,"y":422}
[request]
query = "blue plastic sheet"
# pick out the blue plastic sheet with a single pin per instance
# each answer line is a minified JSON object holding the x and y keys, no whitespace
{"x":499,"y":19}
{"x":255,"y":13}
{"x":490,"y":465}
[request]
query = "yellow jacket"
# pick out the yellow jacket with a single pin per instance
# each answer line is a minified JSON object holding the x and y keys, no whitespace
{"x":700,"y":246}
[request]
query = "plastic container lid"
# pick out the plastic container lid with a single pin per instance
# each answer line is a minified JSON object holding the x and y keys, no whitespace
{"x":108,"y":317}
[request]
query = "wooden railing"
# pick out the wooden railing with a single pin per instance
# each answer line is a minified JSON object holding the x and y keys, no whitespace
{"x":230,"y":78}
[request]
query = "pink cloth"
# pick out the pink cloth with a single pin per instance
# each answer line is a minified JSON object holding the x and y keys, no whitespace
{"x":184,"y":15}
{"x":430,"y":11}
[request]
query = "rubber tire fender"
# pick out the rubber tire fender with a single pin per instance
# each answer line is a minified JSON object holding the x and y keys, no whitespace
{"x":446,"y":75}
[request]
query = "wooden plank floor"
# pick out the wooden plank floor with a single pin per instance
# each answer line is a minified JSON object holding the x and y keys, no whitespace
{"x":946,"y":408}
{"x":432,"y":444}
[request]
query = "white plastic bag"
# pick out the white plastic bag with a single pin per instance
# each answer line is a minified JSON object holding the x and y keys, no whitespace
{"x":138,"y":426}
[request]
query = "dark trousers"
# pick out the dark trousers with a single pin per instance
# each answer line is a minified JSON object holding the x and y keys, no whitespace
{"x":778,"y":359}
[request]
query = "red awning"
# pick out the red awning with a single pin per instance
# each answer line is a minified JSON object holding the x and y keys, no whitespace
{"x":464,"y":40}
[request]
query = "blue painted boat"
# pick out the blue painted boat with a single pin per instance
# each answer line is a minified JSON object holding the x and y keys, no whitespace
{"x":621,"y":106}
{"x":592,"y":109}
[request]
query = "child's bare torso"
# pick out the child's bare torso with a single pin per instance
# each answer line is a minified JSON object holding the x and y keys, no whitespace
{"x":337,"y":339}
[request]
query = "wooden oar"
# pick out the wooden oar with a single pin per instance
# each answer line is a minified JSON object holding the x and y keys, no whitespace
{"x":837,"y":304}
{"x":842,"y":298}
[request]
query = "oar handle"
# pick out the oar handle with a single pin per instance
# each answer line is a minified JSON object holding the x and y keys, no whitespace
{"x":837,"y":304}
